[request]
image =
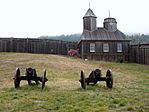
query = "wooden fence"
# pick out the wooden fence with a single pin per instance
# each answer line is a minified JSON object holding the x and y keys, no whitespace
{"x":139,"y":54}
{"x":30,"y":45}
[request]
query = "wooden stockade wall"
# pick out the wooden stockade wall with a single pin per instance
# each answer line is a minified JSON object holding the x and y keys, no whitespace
{"x":139,"y":54}
{"x":30,"y":45}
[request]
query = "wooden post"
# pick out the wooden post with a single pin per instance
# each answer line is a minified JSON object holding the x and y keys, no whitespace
{"x":27,"y":45}
{"x":11,"y":44}
{"x":82,"y":50}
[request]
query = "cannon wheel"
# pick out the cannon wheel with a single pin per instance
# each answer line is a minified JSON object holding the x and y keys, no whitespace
{"x":17,"y":78}
{"x":82,"y":80}
{"x":109,"y":77}
{"x":44,"y":79}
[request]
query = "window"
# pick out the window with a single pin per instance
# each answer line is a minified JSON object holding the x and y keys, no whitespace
{"x":119,"y":47}
{"x":106,"y":47}
{"x":92,"y":47}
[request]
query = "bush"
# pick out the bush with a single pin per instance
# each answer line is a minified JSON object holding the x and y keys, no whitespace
{"x":120,"y":60}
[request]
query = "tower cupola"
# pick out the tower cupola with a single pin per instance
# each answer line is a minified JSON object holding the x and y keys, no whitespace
{"x":89,"y":21}
{"x":110,"y":24}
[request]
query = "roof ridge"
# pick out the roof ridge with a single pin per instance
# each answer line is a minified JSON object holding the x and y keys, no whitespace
{"x":89,"y":13}
{"x":103,"y":35}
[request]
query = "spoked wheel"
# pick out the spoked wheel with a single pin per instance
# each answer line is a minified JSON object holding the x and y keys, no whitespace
{"x":82,"y":80}
{"x":109,"y":77}
{"x":16,"y":78}
{"x":44,"y":78}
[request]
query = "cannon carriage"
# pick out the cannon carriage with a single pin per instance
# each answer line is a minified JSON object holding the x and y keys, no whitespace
{"x":30,"y":75}
{"x":96,"y":76}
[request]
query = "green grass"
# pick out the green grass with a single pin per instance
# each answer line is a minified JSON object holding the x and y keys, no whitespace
{"x":63,"y":92}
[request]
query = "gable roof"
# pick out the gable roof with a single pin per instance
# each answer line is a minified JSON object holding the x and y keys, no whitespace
{"x":104,"y":35}
{"x":89,"y":13}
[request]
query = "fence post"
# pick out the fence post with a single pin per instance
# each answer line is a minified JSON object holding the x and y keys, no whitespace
{"x":11,"y":44}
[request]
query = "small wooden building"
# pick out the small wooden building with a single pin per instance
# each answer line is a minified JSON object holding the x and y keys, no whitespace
{"x":102,"y":43}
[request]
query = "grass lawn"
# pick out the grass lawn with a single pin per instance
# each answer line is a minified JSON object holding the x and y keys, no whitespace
{"x":63,"y":91}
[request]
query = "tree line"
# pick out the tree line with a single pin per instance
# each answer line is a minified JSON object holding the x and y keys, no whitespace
{"x":139,"y":39}
{"x":135,"y":38}
{"x":70,"y":38}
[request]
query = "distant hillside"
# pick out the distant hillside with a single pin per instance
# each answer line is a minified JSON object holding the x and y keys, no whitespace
{"x":71,"y":38}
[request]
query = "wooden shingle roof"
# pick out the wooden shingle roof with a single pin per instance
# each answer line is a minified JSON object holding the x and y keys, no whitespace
{"x":103,"y":34}
{"x":89,"y":13}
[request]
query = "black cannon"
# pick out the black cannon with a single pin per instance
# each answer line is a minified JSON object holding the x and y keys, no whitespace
{"x":95,"y":76}
{"x":30,"y":75}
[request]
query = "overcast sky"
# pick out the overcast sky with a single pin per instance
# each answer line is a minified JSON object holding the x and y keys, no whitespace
{"x":33,"y":18}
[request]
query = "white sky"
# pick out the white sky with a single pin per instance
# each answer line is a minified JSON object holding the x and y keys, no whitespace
{"x":33,"y":18}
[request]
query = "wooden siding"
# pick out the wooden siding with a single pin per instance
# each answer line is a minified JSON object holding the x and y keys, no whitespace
{"x":112,"y":55}
{"x":139,"y":54}
{"x":36,"y":45}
